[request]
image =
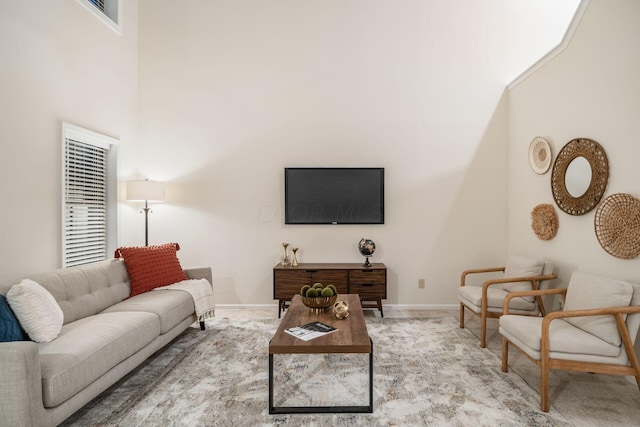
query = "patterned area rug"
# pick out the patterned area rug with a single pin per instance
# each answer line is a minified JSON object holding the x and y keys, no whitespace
{"x":426,"y":372}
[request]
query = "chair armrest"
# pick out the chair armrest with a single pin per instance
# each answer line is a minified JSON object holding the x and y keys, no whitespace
{"x":532,"y":279}
{"x":533,"y":293}
{"x":465,"y":273}
{"x":626,"y":309}
{"x":615,"y":311}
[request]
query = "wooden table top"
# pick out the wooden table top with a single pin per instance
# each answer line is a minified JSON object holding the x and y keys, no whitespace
{"x":351,"y":336}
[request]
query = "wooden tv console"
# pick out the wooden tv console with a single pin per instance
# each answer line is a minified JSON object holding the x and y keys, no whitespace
{"x":349,"y":278}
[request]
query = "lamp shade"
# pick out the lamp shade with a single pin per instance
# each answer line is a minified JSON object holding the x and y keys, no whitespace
{"x":145,"y":190}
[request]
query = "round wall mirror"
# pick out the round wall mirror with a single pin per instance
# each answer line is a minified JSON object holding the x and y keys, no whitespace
{"x":579,"y":176}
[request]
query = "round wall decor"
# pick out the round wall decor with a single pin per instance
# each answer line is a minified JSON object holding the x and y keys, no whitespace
{"x":544,"y":221}
{"x":579,"y":176}
{"x":539,"y":155}
{"x":617,"y":225}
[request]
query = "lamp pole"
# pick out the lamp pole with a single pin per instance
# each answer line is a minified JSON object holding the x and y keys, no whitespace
{"x":145,"y":191}
{"x":146,"y":210}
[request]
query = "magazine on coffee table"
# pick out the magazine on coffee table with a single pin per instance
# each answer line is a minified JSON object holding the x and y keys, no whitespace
{"x":310,"y":330}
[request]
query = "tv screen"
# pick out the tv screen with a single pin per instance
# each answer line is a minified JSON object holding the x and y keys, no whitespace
{"x":334,"y":195}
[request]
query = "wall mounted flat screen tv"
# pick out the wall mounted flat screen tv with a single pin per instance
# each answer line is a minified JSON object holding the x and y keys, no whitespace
{"x":334,"y":195}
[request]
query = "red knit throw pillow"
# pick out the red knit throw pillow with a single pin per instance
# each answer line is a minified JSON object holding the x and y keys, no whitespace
{"x":150,"y":267}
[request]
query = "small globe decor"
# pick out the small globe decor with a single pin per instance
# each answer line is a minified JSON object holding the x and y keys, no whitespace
{"x":319,"y":297}
{"x":366,"y":248}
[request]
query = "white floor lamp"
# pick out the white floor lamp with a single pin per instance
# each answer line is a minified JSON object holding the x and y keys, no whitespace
{"x":145,"y":191}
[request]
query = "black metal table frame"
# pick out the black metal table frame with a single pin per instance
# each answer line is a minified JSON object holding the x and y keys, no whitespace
{"x":365,"y":409}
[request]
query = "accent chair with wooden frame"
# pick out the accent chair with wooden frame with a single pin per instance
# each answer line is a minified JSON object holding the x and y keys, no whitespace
{"x":487,"y":301}
{"x":594,"y":333}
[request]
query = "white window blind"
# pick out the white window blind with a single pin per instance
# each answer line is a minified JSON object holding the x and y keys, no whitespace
{"x":89,"y":196}
{"x":85,"y":207}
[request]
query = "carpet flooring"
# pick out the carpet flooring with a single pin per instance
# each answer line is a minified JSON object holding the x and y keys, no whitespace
{"x":427,"y":372}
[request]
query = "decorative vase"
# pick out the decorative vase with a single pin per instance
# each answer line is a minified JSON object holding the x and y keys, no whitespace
{"x":285,"y":255}
{"x":294,"y":260}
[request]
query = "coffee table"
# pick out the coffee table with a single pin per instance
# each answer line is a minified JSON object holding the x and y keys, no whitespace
{"x":351,"y":337}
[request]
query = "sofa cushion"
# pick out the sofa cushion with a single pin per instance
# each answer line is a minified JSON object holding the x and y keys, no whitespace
{"x":521,"y":266}
{"x":171,"y":306}
{"x":150,"y":267}
{"x":10,"y":329}
{"x":587,"y":291}
{"x":36,"y":309}
{"x":87,"y":348}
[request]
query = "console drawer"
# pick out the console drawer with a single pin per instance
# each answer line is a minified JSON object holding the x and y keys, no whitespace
{"x":369,"y":291}
{"x":358,"y":277}
{"x":288,"y":283}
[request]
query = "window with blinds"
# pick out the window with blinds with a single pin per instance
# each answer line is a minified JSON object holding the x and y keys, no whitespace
{"x":87,"y":197}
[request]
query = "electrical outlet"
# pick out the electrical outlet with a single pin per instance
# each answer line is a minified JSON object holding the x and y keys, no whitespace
{"x":420,"y":283}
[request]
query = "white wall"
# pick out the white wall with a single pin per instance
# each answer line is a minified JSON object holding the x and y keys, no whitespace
{"x":591,"y":90}
{"x":231,"y":92}
{"x":58,"y":63}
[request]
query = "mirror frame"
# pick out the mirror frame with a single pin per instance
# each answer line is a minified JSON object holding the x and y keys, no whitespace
{"x":597,"y":158}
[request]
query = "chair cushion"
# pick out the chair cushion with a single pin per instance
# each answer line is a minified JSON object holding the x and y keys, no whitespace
{"x":587,"y":291}
{"x":150,"y":267}
{"x":36,"y":309}
{"x":472,"y":296}
{"x":563,"y":336}
{"x":521,"y":266}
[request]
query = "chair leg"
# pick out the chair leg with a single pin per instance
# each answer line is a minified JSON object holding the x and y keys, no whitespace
{"x":544,"y":384}
{"x":461,"y":316}
{"x":505,"y":354}
{"x":483,"y":330}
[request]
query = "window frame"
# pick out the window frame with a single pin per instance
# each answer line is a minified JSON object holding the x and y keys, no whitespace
{"x":87,"y":136}
{"x":115,"y":25}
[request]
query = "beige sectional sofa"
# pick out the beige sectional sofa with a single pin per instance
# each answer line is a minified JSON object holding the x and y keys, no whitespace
{"x":104,"y":336}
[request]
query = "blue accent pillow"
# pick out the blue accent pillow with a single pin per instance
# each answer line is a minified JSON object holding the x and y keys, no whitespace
{"x":10,"y":329}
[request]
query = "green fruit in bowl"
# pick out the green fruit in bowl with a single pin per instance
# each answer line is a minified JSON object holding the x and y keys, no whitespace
{"x":304,"y":290}
{"x":312,"y":293}
{"x":318,"y":286}
{"x":327,"y":292}
{"x":333,"y":288}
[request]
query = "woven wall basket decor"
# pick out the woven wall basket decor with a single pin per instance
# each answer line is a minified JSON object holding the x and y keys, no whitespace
{"x":544,"y":221}
{"x":617,"y":225}
{"x":539,"y":155}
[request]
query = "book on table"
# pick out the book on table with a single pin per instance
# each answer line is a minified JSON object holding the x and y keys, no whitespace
{"x":311,"y":330}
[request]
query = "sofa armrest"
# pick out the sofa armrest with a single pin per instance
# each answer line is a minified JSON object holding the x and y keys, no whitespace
{"x":20,"y":384}
{"x":200,"y":273}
